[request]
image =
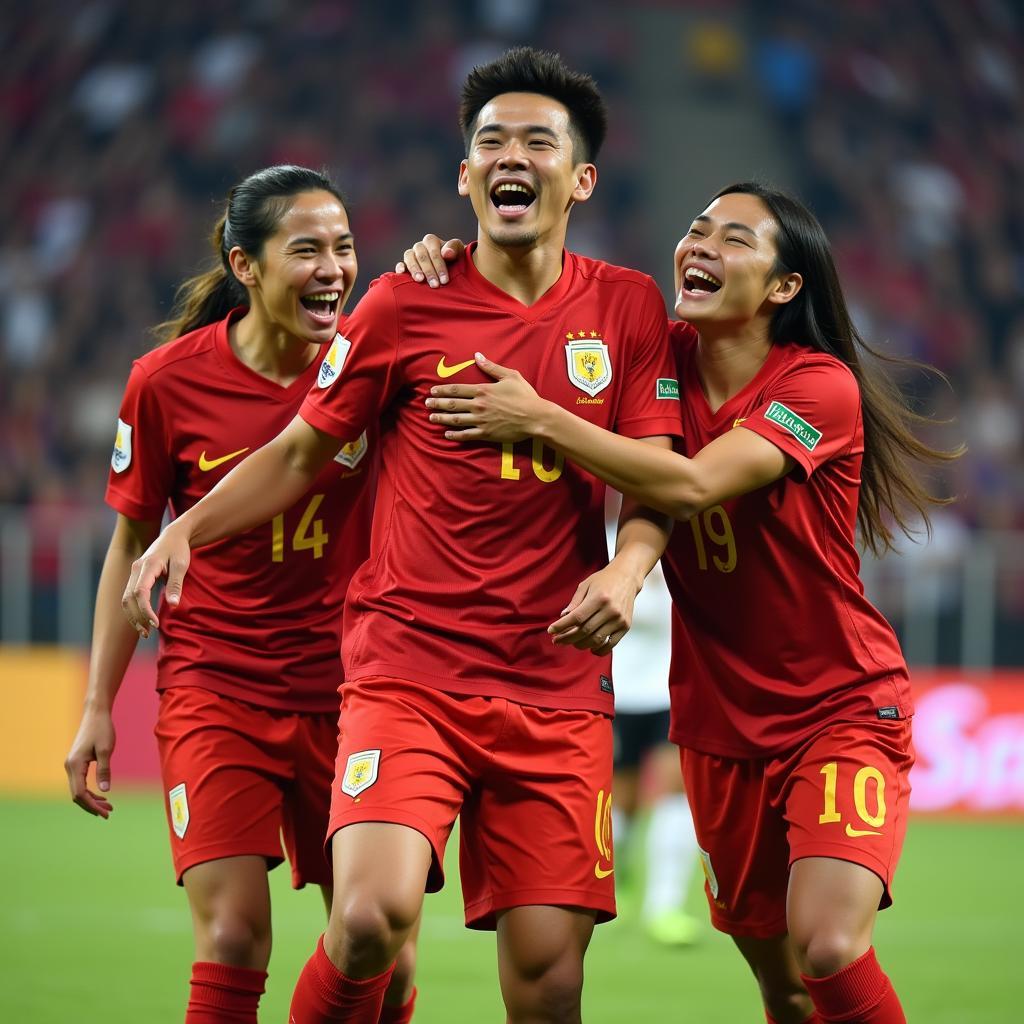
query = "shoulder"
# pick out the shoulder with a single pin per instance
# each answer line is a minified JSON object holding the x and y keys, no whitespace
{"x":827,"y":374}
{"x":682,"y":335}
{"x":177,"y":358}
{"x":610,"y":274}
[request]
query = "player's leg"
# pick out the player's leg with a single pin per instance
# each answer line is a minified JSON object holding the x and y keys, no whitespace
{"x":536,"y":855}
{"x":540,"y":962}
{"x":397,"y":791}
{"x":777,"y":972}
{"x":847,"y":805}
{"x":219,"y":761}
{"x":400,"y":997}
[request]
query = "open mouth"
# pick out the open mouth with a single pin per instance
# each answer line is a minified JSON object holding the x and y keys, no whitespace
{"x":322,"y":305}
{"x":512,"y":197}
{"x":696,"y":281}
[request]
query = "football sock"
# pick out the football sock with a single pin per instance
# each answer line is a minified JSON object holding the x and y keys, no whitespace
{"x":671,"y":855}
{"x":860,"y":993}
{"x":221,"y":994}
{"x":398,"y":1014}
{"x":323,"y":994}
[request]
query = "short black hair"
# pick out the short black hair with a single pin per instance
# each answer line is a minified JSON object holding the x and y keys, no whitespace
{"x":524,"y":69}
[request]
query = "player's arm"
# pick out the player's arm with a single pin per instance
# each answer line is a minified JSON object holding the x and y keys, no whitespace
{"x":269,"y":481}
{"x":601,"y":611}
{"x":113,"y":644}
{"x":509,"y":410}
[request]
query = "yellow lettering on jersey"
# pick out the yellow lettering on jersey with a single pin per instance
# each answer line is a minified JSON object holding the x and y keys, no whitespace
{"x":206,"y":464}
{"x":449,"y":371}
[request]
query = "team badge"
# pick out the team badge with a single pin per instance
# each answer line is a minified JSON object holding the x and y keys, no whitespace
{"x":121,"y":457}
{"x":330,"y":368}
{"x":709,"y":872}
{"x":179,"y":810}
{"x":360,"y":772}
{"x":590,"y":367}
{"x":352,"y":453}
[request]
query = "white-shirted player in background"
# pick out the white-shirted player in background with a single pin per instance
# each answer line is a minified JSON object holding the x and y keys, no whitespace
{"x":641,"y":662}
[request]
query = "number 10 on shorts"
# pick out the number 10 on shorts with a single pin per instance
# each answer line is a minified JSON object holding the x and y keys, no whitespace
{"x":867,"y":774}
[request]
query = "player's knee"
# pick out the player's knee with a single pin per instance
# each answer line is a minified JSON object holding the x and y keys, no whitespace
{"x":365,"y":929}
{"x":237,"y":940}
{"x":826,"y":951}
{"x":546,"y":992}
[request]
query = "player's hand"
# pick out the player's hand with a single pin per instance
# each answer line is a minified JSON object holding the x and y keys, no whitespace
{"x":428,"y":260}
{"x":93,"y":744}
{"x":169,"y":556}
{"x":600,"y":612}
{"x":503,"y":411}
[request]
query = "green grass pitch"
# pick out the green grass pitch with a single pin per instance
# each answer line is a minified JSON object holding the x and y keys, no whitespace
{"x":92,"y":929}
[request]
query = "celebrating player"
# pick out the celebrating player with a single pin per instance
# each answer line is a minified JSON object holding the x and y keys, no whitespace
{"x":456,"y":700}
{"x":790,"y":696}
{"x":250,"y":662}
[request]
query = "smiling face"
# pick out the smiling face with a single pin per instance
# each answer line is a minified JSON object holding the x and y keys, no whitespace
{"x":521,"y":174}
{"x":725,"y":265}
{"x":306,"y":272}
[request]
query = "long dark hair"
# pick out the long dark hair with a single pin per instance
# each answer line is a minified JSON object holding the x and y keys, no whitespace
{"x":818,"y":316}
{"x":251,"y":215}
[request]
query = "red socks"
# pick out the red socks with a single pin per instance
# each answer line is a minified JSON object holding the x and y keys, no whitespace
{"x":398,"y":1014}
{"x":860,"y":993}
{"x":224,"y":995}
{"x":323,"y":995}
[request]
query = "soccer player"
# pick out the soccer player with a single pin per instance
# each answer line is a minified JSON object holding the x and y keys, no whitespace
{"x":250,"y":662}
{"x":790,"y":696}
{"x":645,"y":759}
{"x":456,"y":700}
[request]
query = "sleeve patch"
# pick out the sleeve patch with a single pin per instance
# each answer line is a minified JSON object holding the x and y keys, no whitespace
{"x":330,"y":368}
{"x":121,"y":457}
{"x":667,"y":388}
{"x":799,"y":428}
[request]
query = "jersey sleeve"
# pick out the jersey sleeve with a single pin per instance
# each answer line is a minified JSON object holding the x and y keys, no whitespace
{"x":649,"y":404}
{"x":141,"y":466}
{"x":360,"y":373}
{"x":812,"y":413}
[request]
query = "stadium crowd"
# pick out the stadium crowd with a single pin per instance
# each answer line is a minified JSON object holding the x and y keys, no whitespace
{"x":125,"y":123}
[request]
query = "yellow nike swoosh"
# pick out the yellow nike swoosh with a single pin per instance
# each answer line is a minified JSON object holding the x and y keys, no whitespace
{"x":856,"y":833}
{"x":450,"y":371}
{"x":600,"y":872}
{"x":206,"y":464}
{"x":736,"y":423}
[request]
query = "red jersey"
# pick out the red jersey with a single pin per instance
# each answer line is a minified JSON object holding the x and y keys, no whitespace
{"x":260,"y":613}
{"x":772,"y":634}
{"x":477,"y":548}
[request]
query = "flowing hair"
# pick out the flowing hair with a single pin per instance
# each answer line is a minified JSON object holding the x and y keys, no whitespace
{"x":251,"y":215}
{"x":818,"y":316}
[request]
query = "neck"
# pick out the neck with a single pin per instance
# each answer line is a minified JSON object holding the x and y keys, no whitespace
{"x":268,"y":350}
{"x":730,"y":358}
{"x":524,"y":272}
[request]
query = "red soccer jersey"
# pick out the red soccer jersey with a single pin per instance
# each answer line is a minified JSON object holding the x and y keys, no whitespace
{"x":477,"y":548}
{"x":772,"y":634}
{"x":260,"y":613}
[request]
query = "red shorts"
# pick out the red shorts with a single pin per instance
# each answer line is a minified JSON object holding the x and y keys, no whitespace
{"x":241,"y":778}
{"x":845,"y":793}
{"x":533,"y":786}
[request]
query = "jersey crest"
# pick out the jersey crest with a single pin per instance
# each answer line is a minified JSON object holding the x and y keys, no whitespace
{"x":351,"y":454}
{"x":589,"y":365}
{"x":360,"y":772}
{"x":333,"y":362}
{"x":179,"y":810}
{"x":121,"y":457}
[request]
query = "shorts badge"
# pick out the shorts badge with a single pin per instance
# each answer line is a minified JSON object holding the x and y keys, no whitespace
{"x":709,"y":872}
{"x":179,"y":810}
{"x":589,"y":365}
{"x":360,"y":772}
{"x":121,"y":457}
{"x":330,"y":368}
{"x":352,"y":453}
